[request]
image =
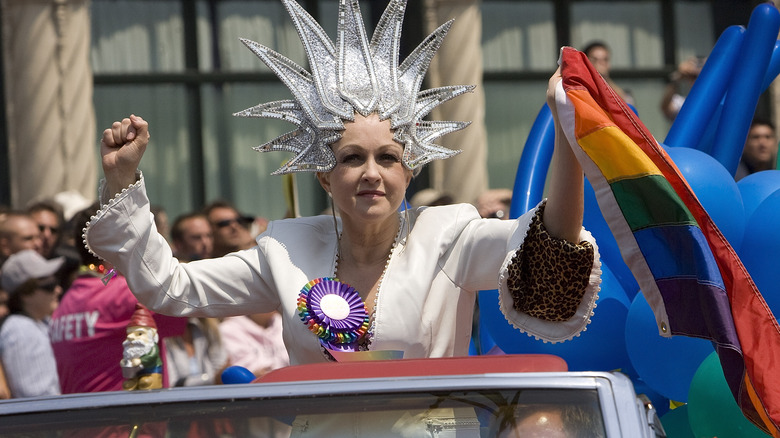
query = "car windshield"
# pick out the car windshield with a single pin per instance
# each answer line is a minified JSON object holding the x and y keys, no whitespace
{"x":478,"y":413}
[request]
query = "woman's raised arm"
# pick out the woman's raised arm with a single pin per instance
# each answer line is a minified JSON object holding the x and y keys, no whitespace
{"x":565,"y":198}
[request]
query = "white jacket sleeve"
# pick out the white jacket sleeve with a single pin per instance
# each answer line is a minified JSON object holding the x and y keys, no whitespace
{"x":123,"y":233}
{"x":558,"y":281}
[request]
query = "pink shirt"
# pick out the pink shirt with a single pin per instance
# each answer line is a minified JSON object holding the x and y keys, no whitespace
{"x":254,"y":347}
{"x":87,"y":331}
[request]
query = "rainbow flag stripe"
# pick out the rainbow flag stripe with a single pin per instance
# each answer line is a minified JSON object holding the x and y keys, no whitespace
{"x":687,"y":271}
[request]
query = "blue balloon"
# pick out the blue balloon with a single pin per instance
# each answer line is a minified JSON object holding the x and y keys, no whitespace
{"x":485,"y":340}
{"x":237,"y":374}
{"x":666,"y":364}
{"x":755,"y":187}
{"x":716,"y":189}
{"x":746,"y":85}
{"x":600,"y":347}
{"x":660,"y":402}
{"x":534,"y":162}
{"x":707,"y":141}
{"x":774,"y":67}
{"x":684,"y":134}
{"x":481,"y":342}
{"x":707,"y":92}
{"x":740,"y":67}
{"x":761,"y":247}
{"x":473,"y":351}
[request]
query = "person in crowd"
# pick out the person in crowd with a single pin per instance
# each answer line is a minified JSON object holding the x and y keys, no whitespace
{"x":89,"y":325}
{"x":431,"y":198}
{"x":231,"y":229}
{"x":192,"y":237}
{"x":549,"y":420}
{"x":5,"y":391}
{"x":18,"y":231}
{"x":25,"y":352}
{"x":494,"y":203}
{"x":255,"y":342}
{"x":197,"y":357}
{"x":51,"y":223}
{"x":4,"y":310}
{"x":407,"y":281}
{"x":760,"y":152}
{"x":600,"y":55}
{"x":71,"y":202}
{"x":48,"y":216}
{"x":680,"y":83}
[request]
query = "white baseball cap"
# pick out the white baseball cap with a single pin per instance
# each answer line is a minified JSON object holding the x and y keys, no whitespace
{"x":25,"y":265}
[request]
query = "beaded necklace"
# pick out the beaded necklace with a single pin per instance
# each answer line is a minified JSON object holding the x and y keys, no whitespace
{"x":335,"y":312}
{"x":365,"y":342}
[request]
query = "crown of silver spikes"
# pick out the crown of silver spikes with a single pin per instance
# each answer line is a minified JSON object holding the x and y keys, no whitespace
{"x":355,"y":76}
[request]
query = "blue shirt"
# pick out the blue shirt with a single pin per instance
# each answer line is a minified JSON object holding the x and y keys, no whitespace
{"x":27,"y":357}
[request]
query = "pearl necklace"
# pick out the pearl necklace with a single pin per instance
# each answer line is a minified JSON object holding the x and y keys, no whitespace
{"x":366,"y":341}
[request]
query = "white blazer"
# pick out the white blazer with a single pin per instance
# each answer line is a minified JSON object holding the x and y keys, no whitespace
{"x":426,"y":299}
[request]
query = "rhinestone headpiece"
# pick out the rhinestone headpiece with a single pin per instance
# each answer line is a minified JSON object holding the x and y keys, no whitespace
{"x":355,"y":75}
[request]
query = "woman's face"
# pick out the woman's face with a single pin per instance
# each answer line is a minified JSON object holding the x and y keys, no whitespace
{"x":369,"y":180}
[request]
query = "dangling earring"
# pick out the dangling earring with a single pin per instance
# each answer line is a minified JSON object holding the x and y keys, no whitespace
{"x":335,"y":227}
{"x":407,"y":220}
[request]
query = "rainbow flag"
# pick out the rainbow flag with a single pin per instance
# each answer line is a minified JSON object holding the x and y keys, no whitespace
{"x":687,"y":271}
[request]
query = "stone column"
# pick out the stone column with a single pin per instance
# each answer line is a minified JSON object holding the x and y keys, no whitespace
{"x":48,"y":85}
{"x":459,"y":62}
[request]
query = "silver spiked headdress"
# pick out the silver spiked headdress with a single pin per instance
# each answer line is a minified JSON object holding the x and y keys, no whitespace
{"x":355,"y":75}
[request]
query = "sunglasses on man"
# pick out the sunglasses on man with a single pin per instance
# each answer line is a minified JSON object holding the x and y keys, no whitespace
{"x":53,"y":230}
{"x":244,"y":221}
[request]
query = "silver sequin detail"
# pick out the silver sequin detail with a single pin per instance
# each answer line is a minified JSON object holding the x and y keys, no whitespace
{"x":355,"y":75}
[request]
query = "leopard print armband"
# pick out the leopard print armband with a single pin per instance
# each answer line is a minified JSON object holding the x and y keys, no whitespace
{"x":547,"y":277}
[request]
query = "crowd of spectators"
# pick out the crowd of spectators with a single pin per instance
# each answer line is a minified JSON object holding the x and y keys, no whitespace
{"x":64,"y":313}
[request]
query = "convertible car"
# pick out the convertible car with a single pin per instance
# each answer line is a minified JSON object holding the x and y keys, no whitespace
{"x":483,"y":396}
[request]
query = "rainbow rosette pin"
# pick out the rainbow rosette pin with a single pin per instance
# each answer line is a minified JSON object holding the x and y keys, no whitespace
{"x":334,"y":312}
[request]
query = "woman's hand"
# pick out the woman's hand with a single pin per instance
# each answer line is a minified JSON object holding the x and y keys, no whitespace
{"x":552,"y":84}
{"x":121,"y":149}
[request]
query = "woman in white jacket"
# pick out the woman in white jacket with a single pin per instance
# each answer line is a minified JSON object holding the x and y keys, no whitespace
{"x":407,"y":281}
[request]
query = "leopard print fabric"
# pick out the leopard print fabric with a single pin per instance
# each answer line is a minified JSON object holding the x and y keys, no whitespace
{"x":547,"y":277}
